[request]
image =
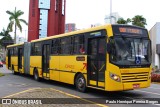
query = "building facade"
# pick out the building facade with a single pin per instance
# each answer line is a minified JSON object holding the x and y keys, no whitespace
{"x":46,"y":18}
{"x":155,"y":39}
{"x":70,"y":27}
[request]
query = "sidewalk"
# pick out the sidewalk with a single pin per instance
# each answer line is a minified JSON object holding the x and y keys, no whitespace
{"x":3,"y":70}
{"x":52,"y":94}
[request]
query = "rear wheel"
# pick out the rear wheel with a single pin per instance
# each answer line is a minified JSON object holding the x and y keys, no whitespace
{"x":80,"y":83}
{"x":36,"y":76}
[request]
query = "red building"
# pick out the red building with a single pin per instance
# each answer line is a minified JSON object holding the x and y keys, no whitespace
{"x":46,"y":18}
{"x":70,"y":27}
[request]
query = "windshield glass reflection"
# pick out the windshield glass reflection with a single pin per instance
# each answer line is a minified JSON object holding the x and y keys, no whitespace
{"x":130,"y":51}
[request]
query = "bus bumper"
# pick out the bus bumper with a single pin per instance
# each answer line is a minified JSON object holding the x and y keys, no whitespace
{"x":136,"y":85}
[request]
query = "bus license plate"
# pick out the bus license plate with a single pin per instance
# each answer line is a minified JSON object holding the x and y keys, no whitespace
{"x":136,"y":86}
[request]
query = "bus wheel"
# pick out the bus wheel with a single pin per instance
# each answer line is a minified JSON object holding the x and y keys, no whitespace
{"x":36,"y":76}
{"x":80,"y":83}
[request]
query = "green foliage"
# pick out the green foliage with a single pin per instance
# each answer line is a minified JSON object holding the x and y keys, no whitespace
{"x":137,"y":20}
{"x":1,"y":74}
{"x":6,"y":37}
{"x":15,"y":21}
{"x":122,"y":21}
{"x":4,"y":33}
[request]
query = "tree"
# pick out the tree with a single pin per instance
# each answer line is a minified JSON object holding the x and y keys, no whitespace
{"x":139,"y":20}
{"x":6,"y":38}
{"x":122,"y":21}
{"x":5,"y":33}
{"x":16,"y":21}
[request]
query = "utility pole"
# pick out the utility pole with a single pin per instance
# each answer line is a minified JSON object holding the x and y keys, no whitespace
{"x":111,"y":11}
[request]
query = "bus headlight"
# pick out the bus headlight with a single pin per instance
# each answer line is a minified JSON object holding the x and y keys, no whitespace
{"x":115,"y":77}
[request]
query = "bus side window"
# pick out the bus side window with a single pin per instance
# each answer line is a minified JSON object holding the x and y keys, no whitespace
{"x":63,"y":43}
{"x":68,"y":45}
{"x":55,"y":46}
{"x":78,"y":45}
{"x":32,"y":49}
{"x":36,"y":49}
{"x":15,"y":51}
{"x":81,"y":45}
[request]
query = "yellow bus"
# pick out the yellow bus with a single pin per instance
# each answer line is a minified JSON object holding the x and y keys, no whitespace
{"x":110,"y":57}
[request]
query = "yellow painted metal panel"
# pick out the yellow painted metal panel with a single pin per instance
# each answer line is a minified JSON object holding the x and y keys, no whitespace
{"x":22,"y":65}
{"x":7,"y":62}
{"x":54,"y":75}
{"x":14,"y":61}
{"x":129,"y":86}
{"x":110,"y":84}
{"x":109,"y":30}
{"x":91,"y":82}
{"x":35,"y":61}
{"x":101,"y":84}
{"x":54,"y":66}
{"x":67,"y":77}
{"x":31,"y":70}
{"x":69,"y":63}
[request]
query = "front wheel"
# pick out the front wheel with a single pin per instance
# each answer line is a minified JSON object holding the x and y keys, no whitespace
{"x":81,"y":83}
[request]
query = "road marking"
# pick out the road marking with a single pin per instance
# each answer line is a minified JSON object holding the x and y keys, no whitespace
{"x":155,"y":82}
{"x":30,"y":89}
{"x":78,"y":97}
{"x":20,"y":92}
{"x":157,"y":104}
{"x":147,"y":92}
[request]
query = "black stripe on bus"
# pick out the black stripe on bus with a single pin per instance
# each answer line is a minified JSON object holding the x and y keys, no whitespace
{"x":60,"y":70}
{"x":65,"y":71}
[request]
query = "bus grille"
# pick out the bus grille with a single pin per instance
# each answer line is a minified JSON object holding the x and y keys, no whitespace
{"x":134,"y":77}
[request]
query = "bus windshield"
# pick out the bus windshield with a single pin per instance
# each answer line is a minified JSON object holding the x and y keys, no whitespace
{"x":130,"y":51}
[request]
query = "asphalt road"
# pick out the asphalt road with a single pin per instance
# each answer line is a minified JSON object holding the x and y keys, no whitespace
{"x":10,"y":84}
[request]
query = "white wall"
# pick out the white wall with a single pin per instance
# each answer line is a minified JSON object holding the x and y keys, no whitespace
{"x":155,"y":38}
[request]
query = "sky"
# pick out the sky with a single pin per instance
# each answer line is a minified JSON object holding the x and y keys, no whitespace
{"x":86,"y":12}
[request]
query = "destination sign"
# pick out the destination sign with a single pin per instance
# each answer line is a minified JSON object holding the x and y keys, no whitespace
{"x":129,"y":30}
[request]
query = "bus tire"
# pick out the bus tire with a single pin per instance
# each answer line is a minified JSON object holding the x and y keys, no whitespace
{"x":36,"y":76}
{"x":80,"y":83}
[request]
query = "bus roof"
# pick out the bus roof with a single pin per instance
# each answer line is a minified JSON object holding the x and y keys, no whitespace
{"x":73,"y":33}
{"x":14,"y":45}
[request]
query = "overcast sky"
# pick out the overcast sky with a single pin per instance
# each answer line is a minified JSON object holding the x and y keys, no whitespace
{"x":87,"y":12}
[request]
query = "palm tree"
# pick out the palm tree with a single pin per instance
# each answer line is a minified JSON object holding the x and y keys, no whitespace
{"x":139,"y":20}
{"x":14,"y":20}
{"x":4,"y":33}
{"x":6,"y":38}
{"x":122,"y":21}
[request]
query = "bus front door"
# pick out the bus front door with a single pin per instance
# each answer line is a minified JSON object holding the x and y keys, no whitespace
{"x":45,"y":60}
{"x":96,"y":62}
{"x":20,"y":53}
